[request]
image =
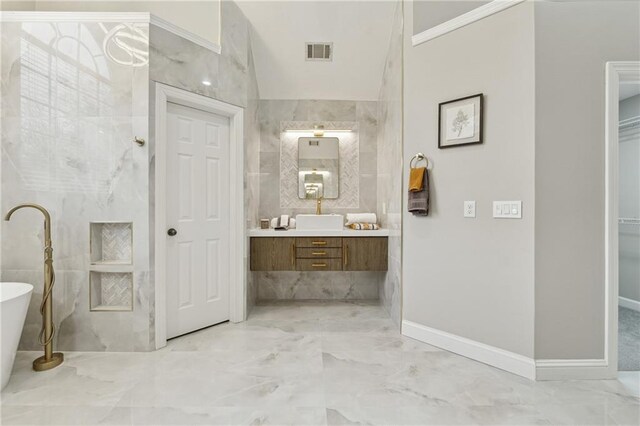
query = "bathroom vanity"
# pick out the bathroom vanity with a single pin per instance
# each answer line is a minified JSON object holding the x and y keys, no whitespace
{"x":308,"y":250}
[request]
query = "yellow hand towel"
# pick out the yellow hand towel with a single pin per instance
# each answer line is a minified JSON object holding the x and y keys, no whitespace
{"x":416,"y":179}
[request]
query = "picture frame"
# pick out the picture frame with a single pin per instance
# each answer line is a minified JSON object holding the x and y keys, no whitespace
{"x":460,"y":121}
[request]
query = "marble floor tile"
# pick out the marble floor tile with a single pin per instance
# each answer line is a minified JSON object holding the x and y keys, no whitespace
{"x":631,"y":381}
{"x":300,"y":363}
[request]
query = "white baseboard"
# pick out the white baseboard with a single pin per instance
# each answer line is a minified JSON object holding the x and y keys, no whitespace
{"x":573,"y":369}
{"x":629,"y":303}
{"x":495,"y":357}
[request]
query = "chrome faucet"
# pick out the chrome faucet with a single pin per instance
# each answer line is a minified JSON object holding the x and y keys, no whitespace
{"x":50,"y":359}
{"x":319,"y":205}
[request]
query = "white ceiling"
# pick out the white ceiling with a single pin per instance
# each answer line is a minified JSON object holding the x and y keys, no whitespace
{"x":360,"y":32}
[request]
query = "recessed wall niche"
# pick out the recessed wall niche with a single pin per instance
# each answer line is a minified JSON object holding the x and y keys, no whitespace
{"x":111,"y":291}
{"x":111,"y":243}
{"x":111,"y":269}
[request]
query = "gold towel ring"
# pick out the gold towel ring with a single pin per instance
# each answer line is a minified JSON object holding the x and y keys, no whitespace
{"x":417,"y":158}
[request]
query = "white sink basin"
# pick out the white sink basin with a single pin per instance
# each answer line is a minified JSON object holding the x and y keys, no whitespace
{"x":328,"y":222}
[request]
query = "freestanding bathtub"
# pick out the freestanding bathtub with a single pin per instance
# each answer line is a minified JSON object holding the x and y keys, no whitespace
{"x":14,"y":301}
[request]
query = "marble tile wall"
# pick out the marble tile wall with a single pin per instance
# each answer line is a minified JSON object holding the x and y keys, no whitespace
{"x":278,"y":187}
{"x":181,"y":63}
{"x":274,"y":114}
{"x":184,"y":64}
{"x":252,"y":170}
{"x":349,"y":166}
{"x":291,"y":285}
{"x":72,"y":99}
{"x":390,"y":161}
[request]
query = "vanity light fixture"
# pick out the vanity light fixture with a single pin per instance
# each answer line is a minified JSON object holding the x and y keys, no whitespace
{"x":206,"y":82}
{"x":318,"y":132}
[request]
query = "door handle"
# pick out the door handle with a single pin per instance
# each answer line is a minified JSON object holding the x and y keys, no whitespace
{"x":172,"y":232}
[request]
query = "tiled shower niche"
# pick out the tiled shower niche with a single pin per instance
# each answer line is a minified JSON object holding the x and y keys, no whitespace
{"x":111,"y":269}
{"x":111,"y":243}
{"x":111,"y":291}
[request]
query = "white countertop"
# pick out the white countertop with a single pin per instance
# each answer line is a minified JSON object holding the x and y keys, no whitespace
{"x":346,"y":232}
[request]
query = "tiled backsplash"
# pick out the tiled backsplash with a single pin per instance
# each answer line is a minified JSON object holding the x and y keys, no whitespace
{"x":279,"y":154}
{"x":349,"y":194}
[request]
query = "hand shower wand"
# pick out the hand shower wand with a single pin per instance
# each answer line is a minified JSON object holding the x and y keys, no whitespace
{"x":50,"y":359}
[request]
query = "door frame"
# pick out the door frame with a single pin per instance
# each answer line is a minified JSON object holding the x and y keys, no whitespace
{"x":616,"y":72}
{"x":237,"y":277}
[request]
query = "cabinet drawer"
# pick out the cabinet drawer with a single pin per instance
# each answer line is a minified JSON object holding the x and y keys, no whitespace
{"x":319,"y":253}
{"x":319,"y":264}
{"x":319,"y":242}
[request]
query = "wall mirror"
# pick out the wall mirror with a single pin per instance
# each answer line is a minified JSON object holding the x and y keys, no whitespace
{"x":318,"y":168}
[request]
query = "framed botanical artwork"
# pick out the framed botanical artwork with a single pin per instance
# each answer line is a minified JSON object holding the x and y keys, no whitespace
{"x":460,"y":122}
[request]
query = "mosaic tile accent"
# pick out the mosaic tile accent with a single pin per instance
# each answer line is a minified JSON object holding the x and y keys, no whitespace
{"x":111,"y":291}
{"x":349,"y":196}
{"x":111,"y":242}
{"x":277,"y":114}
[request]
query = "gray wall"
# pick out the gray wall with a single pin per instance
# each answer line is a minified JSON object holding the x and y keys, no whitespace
{"x":427,"y":13}
{"x":629,"y":235}
{"x":573,"y":40}
{"x":21,"y":6}
{"x":473,"y":277}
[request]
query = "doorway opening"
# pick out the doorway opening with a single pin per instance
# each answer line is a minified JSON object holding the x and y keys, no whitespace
{"x":623,"y":222}
{"x":199,"y":213}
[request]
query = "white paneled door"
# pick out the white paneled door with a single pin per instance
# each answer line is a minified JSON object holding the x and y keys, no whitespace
{"x":197,"y":218}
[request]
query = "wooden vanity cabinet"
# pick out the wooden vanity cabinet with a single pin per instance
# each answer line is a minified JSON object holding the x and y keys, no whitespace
{"x":319,"y":254}
{"x":365,"y":254}
{"x":273,"y":254}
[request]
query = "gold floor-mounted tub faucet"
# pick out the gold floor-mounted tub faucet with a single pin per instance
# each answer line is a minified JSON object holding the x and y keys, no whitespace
{"x":50,"y":359}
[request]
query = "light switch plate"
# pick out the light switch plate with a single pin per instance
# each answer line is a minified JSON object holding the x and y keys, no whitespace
{"x":469,"y":209}
{"x":507,"y":209}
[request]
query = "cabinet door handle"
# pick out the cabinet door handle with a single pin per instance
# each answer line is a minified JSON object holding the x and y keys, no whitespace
{"x":319,"y":243}
{"x":319,"y":253}
{"x":319,"y":265}
{"x":293,"y":254}
{"x":346,"y":254}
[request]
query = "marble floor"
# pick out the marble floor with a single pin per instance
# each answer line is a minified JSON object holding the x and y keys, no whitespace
{"x":628,"y":339}
{"x":301,"y":364}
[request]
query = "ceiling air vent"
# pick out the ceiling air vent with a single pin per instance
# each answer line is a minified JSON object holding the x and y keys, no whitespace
{"x":319,"y":51}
